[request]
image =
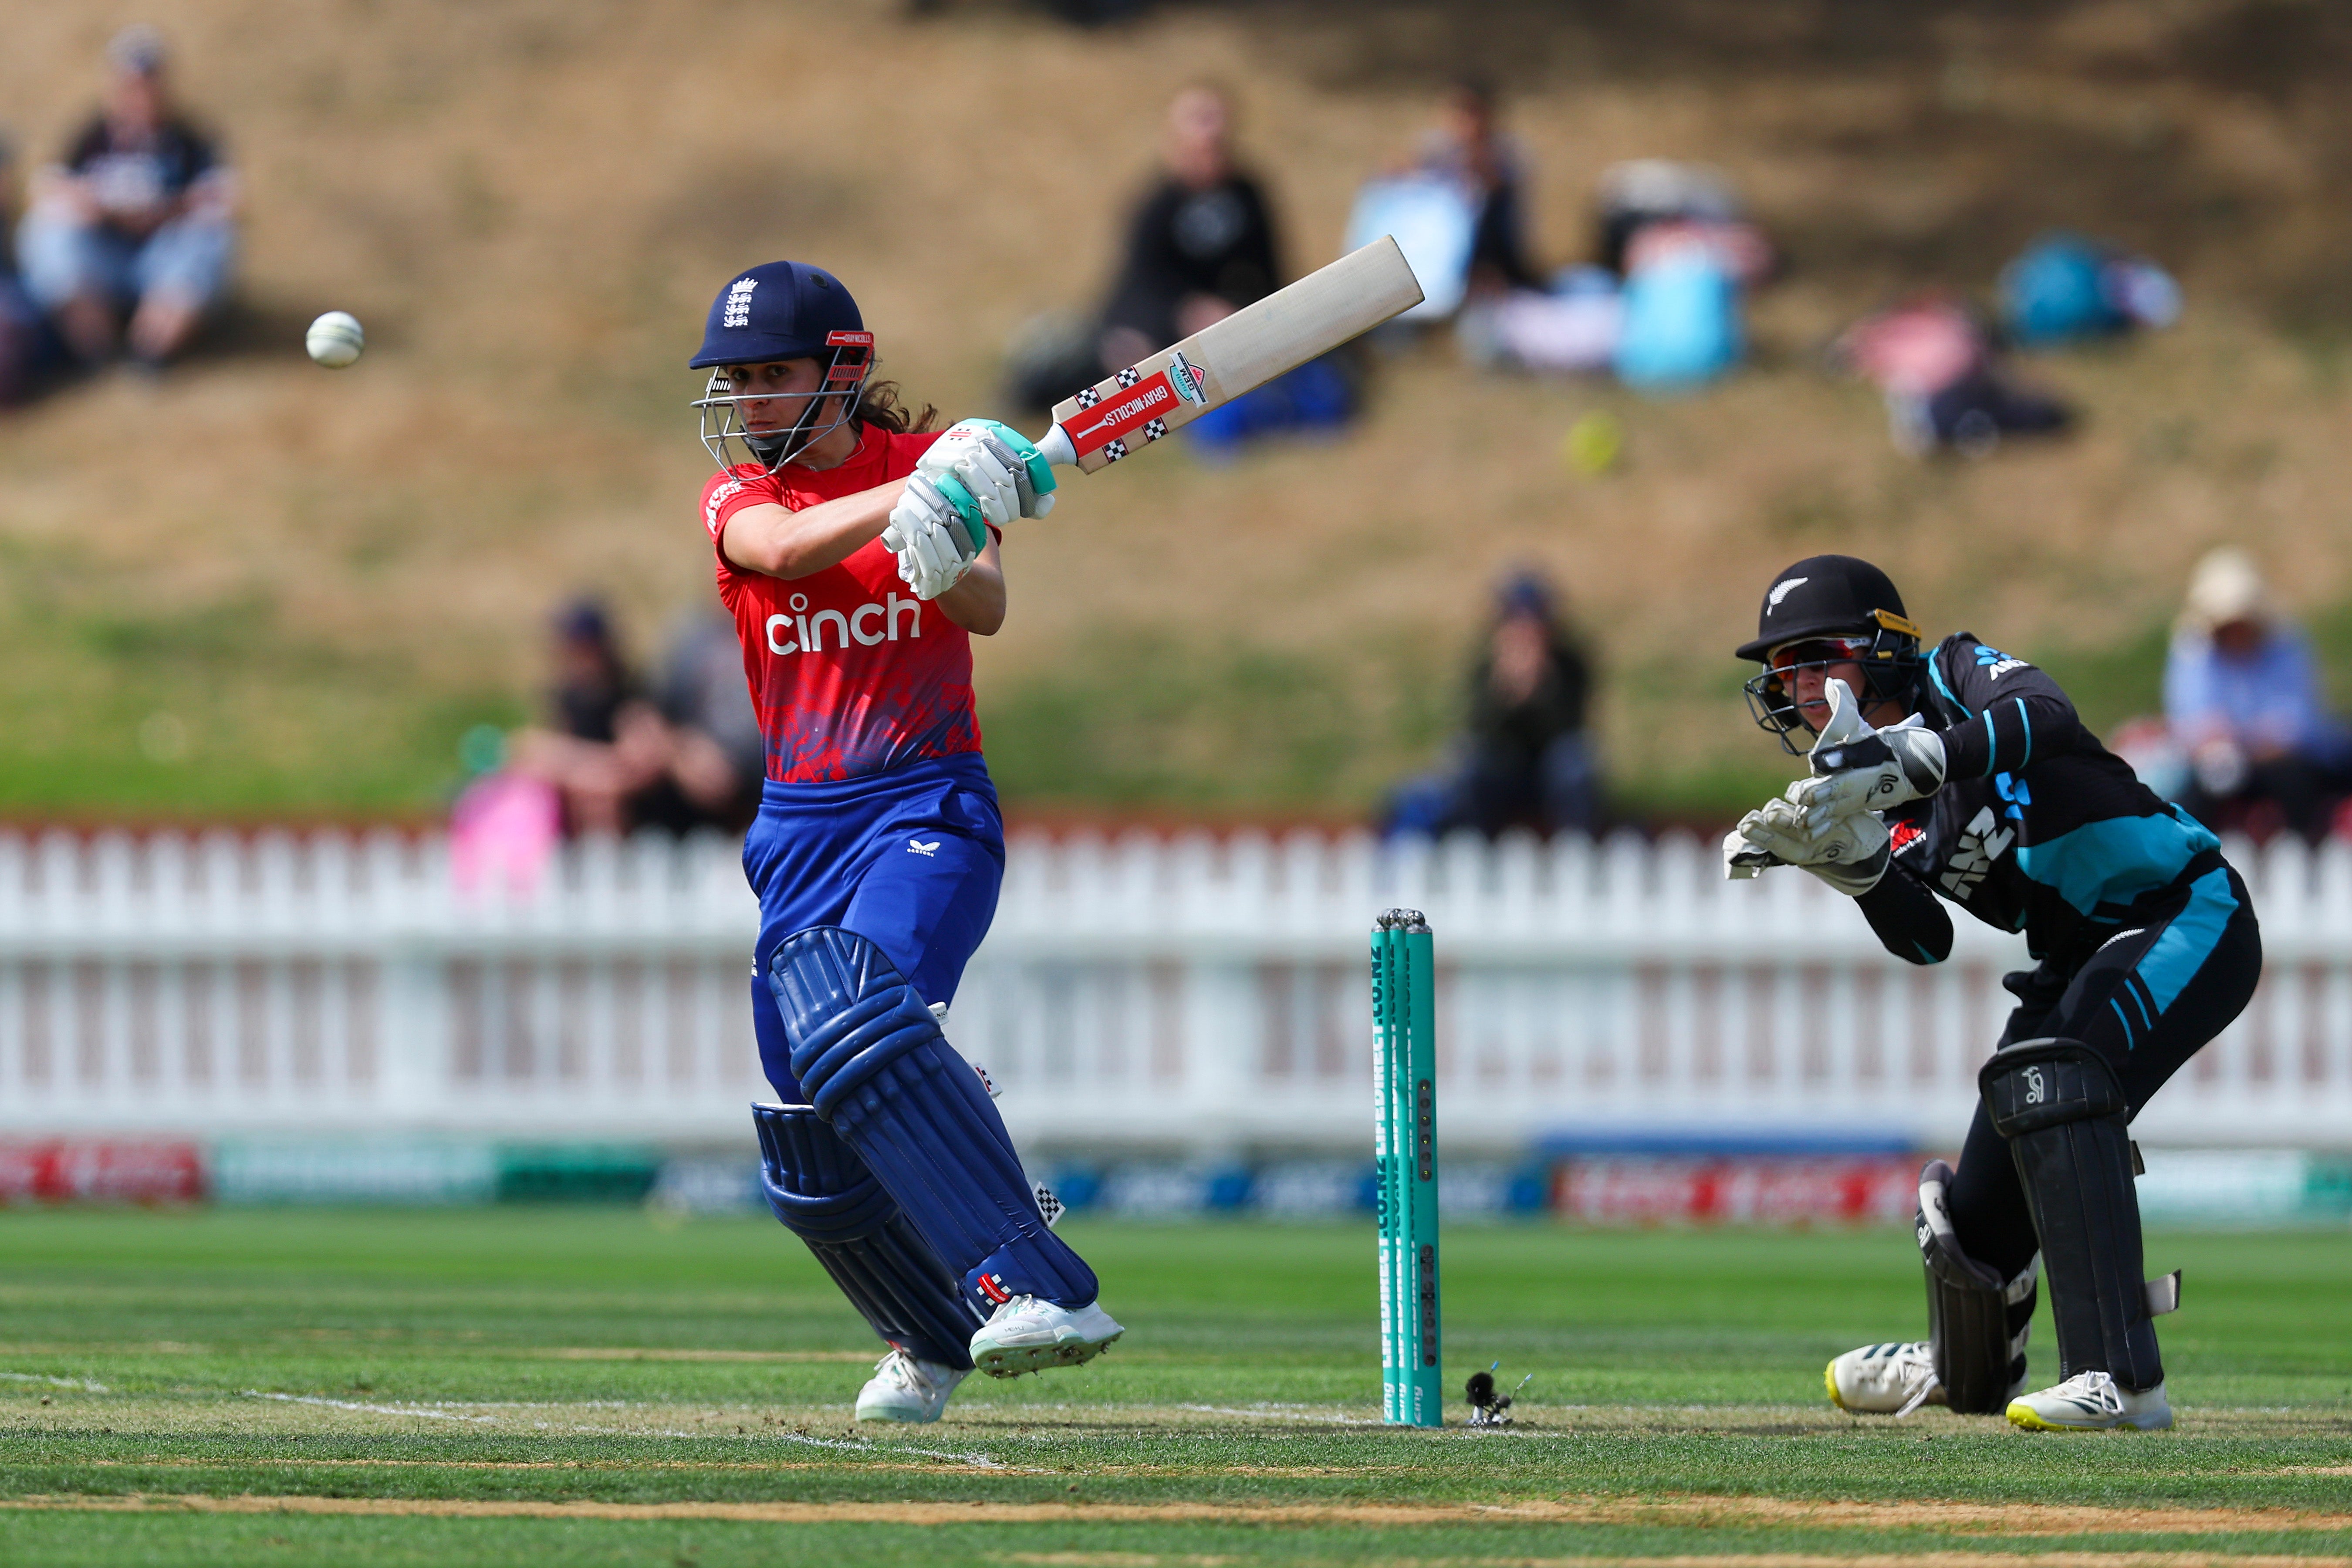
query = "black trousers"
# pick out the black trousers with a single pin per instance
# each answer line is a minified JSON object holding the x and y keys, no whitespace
{"x":2148,"y":1001}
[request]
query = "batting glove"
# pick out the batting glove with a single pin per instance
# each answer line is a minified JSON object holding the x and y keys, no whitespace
{"x":1857,"y":768}
{"x":937,"y":530}
{"x":1003,"y":477}
{"x":1006,"y":450}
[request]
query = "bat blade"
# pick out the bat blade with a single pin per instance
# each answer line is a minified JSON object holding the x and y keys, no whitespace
{"x":1216,"y":364}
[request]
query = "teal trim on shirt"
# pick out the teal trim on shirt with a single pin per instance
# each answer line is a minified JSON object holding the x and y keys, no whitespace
{"x":2189,"y":940}
{"x":1936,"y":673}
{"x":2117,"y":860}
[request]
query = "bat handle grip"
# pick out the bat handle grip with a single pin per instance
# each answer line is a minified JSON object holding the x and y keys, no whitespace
{"x":1055,"y":447}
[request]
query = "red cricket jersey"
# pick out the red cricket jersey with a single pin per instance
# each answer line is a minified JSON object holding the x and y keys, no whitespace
{"x":850,"y":672}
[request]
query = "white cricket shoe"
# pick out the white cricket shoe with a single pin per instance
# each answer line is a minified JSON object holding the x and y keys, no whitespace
{"x":907,"y":1388}
{"x":2091,"y":1402}
{"x":1027,"y":1334}
{"x":1884,"y":1380}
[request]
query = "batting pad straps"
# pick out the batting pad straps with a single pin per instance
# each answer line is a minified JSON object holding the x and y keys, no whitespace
{"x":847,"y":1011}
{"x":1976,"y":1321}
{"x":873,"y":1062}
{"x":824,"y":1195}
{"x":2061,"y":1107}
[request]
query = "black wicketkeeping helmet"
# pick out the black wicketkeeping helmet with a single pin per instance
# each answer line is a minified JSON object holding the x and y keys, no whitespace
{"x":1825,"y":610}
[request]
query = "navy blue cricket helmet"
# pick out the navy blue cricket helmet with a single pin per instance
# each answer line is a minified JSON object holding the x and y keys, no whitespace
{"x":782,"y":311}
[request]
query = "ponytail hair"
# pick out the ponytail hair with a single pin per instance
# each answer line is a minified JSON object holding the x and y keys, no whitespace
{"x":880,"y":408}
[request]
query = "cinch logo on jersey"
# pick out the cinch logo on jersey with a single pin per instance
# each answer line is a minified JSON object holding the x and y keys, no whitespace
{"x":869,"y":624}
{"x":1979,"y":847}
{"x":993,"y":1287}
{"x":739,"y":303}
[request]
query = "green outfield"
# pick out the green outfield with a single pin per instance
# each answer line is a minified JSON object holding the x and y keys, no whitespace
{"x":519,"y":1385}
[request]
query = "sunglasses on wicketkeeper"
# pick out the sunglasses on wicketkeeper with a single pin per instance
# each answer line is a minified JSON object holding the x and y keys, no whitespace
{"x":1819,"y":650}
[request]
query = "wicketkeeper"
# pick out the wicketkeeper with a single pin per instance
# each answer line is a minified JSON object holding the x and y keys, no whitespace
{"x":1965,"y":775}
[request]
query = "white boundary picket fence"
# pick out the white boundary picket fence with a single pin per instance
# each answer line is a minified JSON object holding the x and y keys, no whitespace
{"x":1189,"y":994}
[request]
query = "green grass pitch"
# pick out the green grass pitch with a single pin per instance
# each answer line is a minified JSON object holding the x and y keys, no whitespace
{"x":517,"y":1387}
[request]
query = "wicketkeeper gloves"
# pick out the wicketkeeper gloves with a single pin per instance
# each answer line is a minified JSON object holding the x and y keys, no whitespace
{"x":1850,"y":854}
{"x":1857,"y":768}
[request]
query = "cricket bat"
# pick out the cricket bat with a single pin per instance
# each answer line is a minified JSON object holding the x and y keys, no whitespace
{"x":1249,"y":348}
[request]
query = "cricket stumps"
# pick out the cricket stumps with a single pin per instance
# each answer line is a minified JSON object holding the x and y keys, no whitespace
{"x":1404,"y":1074}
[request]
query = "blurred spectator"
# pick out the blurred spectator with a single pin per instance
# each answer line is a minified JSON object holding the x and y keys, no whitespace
{"x":136,"y":221}
{"x":23,"y":337}
{"x":2064,"y":289}
{"x":1468,"y":151}
{"x":685,"y":756}
{"x":1945,"y":386}
{"x":1664,"y":312}
{"x":1643,"y":192}
{"x":2241,"y":695}
{"x":1200,"y":245}
{"x":716,"y":759}
{"x":1525,"y":758}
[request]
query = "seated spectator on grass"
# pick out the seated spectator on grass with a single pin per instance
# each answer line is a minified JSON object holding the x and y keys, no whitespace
{"x":1468,"y":149}
{"x":714,"y":760}
{"x":1526,"y":759}
{"x":1201,"y":244}
{"x":23,"y":337}
{"x":1199,"y":247}
{"x":683,"y":756}
{"x":1945,"y":385}
{"x":2242,"y":697}
{"x":130,"y":237}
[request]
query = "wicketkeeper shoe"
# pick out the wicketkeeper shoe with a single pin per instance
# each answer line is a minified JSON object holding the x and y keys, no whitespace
{"x":1884,"y":1380}
{"x":907,"y":1388}
{"x":1027,"y":1334}
{"x":2092,"y":1402}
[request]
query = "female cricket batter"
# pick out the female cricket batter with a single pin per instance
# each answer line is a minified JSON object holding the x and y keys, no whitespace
{"x":855,"y":550}
{"x":1965,"y":774}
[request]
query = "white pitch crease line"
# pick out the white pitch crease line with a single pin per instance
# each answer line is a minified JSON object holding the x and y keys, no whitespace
{"x":377,"y":1409}
{"x":1281,"y":1415}
{"x":978,"y":1461}
{"x":83,"y":1384}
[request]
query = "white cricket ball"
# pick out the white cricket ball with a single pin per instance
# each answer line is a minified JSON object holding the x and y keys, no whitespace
{"x":335,"y":339}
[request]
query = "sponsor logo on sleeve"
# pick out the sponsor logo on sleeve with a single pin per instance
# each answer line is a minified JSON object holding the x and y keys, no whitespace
{"x":717,"y":500}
